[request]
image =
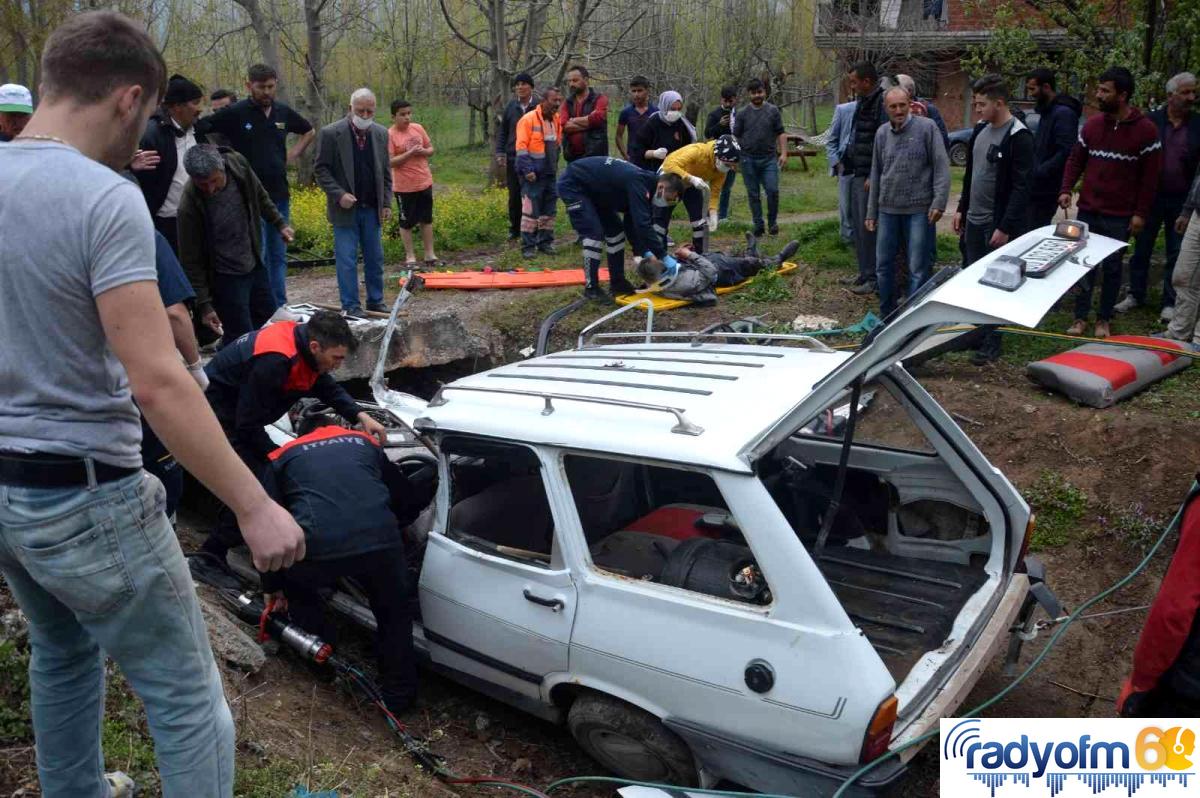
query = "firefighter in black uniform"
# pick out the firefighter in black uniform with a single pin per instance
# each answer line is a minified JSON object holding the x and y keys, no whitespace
{"x":257,"y":378}
{"x":351,"y":503}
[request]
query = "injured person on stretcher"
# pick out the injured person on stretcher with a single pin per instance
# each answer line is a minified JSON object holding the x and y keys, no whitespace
{"x":697,"y":276}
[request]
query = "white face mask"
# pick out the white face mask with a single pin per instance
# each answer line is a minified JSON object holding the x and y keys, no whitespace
{"x":672,"y":116}
{"x":723,"y":167}
{"x":360,"y":123}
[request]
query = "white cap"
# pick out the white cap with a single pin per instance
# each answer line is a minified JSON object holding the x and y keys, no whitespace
{"x":15,"y":98}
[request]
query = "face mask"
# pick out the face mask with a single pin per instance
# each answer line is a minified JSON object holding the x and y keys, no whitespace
{"x":661,"y":202}
{"x":360,"y":123}
{"x":673,"y":116}
{"x":723,"y":167}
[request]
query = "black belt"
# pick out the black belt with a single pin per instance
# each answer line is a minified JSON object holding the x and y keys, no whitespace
{"x":55,"y":471}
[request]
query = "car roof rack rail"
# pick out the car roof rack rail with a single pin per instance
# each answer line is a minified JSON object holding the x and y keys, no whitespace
{"x":682,"y":425}
{"x":697,"y":337}
{"x":641,"y":303}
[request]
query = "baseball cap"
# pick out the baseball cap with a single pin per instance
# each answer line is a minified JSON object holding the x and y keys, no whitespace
{"x":15,"y":98}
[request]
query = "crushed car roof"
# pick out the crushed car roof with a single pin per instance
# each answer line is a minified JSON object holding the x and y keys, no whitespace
{"x":691,"y":404}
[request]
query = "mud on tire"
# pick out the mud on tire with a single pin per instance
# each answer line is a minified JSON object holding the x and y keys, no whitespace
{"x":629,"y":741}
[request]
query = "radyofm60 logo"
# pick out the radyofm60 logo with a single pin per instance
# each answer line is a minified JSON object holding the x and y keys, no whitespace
{"x":1068,"y":756}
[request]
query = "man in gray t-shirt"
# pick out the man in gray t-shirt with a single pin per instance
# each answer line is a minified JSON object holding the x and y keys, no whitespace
{"x":991,"y":208}
{"x":759,"y":130}
{"x":983,"y":178}
{"x":85,"y":545}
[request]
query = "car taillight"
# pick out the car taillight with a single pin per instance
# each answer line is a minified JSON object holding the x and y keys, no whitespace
{"x":879,"y":733}
{"x":1025,"y":543}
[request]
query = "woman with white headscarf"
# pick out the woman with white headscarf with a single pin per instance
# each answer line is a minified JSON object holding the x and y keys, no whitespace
{"x":666,"y":130}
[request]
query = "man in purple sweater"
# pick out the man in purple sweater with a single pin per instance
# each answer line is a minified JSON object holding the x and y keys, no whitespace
{"x":1119,"y":156}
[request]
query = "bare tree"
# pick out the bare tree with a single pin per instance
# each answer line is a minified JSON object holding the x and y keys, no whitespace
{"x":265,"y":26}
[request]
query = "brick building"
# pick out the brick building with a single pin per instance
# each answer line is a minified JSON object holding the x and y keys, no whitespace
{"x":923,"y":38}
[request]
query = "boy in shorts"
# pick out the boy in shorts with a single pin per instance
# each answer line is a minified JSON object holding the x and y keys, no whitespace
{"x":409,"y":149}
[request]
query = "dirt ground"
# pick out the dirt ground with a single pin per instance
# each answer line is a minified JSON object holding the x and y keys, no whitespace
{"x":1133,"y":454}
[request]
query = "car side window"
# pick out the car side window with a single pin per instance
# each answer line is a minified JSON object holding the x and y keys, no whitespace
{"x":498,"y":501}
{"x":882,"y":421}
{"x":664,"y":526}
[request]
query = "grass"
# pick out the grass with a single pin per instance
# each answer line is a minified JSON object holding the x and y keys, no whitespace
{"x":1060,"y":507}
{"x":14,"y":692}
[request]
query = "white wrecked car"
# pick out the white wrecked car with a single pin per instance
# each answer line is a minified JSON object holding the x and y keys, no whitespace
{"x":634,"y":537}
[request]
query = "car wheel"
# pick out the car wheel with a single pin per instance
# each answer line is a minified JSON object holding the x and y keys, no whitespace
{"x":630,"y":742}
{"x":958,"y":154}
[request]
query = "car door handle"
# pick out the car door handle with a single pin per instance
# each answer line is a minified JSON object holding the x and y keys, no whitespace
{"x":555,"y":604}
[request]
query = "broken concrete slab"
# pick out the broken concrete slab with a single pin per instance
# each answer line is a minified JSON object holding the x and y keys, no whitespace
{"x":434,"y":339}
{"x":229,"y":643}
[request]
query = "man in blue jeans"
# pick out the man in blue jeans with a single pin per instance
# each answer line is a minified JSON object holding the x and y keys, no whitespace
{"x":258,"y":127}
{"x":352,"y":169}
{"x":910,"y":185}
{"x":759,"y":130}
{"x":85,"y":546}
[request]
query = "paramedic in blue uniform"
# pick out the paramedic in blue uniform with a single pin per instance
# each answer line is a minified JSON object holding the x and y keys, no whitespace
{"x":352,"y":504}
{"x":598,"y":191}
{"x":257,"y":378}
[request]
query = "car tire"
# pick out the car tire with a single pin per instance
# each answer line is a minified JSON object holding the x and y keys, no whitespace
{"x":630,"y":742}
{"x":958,"y":154}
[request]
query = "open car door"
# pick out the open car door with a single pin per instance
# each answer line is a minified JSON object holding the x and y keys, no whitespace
{"x":404,"y":406}
{"x":952,"y":297}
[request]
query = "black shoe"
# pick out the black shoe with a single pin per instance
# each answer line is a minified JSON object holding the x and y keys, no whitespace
{"x":528,"y":253}
{"x":773,"y":229}
{"x":759,"y":231}
{"x":353,"y":313}
{"x":620,"y":288}
{"x":546,"y":249}
{"x":864,"y":288}
{"x":752,"y":244}
{"x":594,"y":293}
{"x":378,"y":307}
{"x":514,"y":236}
{"x":789,"y":249}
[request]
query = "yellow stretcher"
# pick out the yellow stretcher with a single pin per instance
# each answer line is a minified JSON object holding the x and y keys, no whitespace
{"x":662,"y":303}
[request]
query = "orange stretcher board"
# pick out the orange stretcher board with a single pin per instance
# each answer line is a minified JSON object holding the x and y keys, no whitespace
{"x":474,"y":281}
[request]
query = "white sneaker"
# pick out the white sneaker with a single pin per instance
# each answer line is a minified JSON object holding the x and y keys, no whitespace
{"x":1168,"y":313}
{"x":120,"y":785}
{"x":1127,"y":304}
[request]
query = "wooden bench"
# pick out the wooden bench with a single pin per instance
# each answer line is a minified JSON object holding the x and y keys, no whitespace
{"x":796,"y":148}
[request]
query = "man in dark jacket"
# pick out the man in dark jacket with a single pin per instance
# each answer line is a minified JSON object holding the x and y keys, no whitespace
{"x":220,"y":214}
{"x":352,"y":504}
{"x":1179,"y":133}
{"x":609,"y":201}
{"x":1165,"y":682}
{"x":256,"y":379}
{"x":506,"y":147}
{"x":1119,"y":157}
{"x":584,"y":118}
{"x":868,"y":116}
{"x":992,"y":207}
{"x":1058,"y":128}
{"x":720,"y":121}
{"x":169,"y":135}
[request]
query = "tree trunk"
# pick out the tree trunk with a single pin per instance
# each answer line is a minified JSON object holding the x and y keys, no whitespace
{"x":314,"y":82}
{"x":264,"y":34}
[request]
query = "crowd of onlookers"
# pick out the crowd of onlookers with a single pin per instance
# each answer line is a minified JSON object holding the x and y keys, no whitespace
{"x":887,"y":147}
{"x":1138,"y":173}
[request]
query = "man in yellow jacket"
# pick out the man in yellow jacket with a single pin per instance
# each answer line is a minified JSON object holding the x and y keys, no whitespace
{"x":703,"y":167}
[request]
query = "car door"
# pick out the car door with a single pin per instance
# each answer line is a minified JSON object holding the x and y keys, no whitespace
{"x":497,"y":602}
